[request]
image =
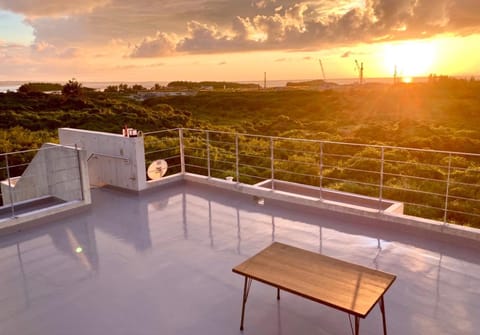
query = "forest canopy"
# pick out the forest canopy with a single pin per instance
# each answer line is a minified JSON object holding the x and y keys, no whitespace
{"x":433,"y":115}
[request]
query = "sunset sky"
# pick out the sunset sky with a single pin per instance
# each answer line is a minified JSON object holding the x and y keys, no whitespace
{"x":236,"y":40}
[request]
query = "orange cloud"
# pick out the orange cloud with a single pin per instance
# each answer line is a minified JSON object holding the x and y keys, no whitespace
{"x":38,"y":8}
{"x":160,"y":45}
{"x":207,"y":26}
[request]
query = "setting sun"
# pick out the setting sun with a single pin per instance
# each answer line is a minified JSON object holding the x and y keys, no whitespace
{"x":410,"y":59}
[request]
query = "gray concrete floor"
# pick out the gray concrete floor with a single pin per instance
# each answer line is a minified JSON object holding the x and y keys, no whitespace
{"x":160,"y":263}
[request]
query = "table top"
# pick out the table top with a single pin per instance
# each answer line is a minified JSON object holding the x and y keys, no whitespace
{"x":349,"y":287}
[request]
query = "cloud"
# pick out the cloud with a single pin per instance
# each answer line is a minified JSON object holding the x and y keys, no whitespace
{"x":160,"y":45}
{"x":307,"y":25}
{"x":262,"y":3}
{"x":464,"y":16}
{"x":43,"y":49}
{"x":11,"y":52}
{"x":139,"y":66}
{"x":69,"y":53}
{"x":260,"y":32}
{"x":37,"y":8}
{"x":169,"y":27}
{"x":392,"y":13}
{"x":349,"y":53}
{"x":204,"y":38}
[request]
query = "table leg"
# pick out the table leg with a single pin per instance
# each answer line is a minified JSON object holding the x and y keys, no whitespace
{"x":382,"y":308}
{"x":246,"y":290}
{"x":357,"y":325}
{"x":278,"y":293}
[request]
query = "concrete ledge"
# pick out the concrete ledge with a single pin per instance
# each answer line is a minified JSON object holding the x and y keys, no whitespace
{"x":299,"y":199}
{"x":436,"y":226}
{"x":152,"y":184}
{"x":40,"y":216}
{"x":333,"y":196}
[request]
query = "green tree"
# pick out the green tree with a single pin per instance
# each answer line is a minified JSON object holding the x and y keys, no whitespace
{"x":123,"y":88}
{"x":72,"y":89}
{"x":39,"y":87}
{"x":138,"y":87}
{"x":111,"y":89}
{"x":25,"y":88}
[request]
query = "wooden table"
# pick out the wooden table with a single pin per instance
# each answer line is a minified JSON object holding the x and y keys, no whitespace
{"x":348,"y":287}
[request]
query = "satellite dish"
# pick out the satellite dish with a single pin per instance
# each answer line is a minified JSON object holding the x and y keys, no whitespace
{"x":157,"y":169}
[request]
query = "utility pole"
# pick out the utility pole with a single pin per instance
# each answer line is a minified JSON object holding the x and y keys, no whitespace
{"x":323,"y":71}
{"x":359,"y":67}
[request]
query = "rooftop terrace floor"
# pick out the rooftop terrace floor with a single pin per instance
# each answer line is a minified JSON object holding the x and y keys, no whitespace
{"x":160,"y":263}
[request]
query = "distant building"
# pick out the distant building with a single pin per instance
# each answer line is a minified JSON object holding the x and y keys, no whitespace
{"x":140,"y":96}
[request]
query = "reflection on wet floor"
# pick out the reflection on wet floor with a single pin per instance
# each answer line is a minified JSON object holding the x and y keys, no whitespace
{"x":160,"y":263}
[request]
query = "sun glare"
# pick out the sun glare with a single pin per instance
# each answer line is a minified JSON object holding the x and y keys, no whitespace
{"x":410,"y":59}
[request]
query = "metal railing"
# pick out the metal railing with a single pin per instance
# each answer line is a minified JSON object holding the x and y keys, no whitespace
{"x":438,"y":185}
{"x":166,"y":145}
{"x":21,"y":189}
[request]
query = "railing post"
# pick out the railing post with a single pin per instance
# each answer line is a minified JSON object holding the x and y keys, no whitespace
{"x":80,"y":172}
{"x":182,"y":154}
{"x":237,"y":160}
{"x":272,"y":162}
{"x":321,"y":171}
{"x":447,"y":191}
{"x":208,"y":154}
{"x":12,"y":207}
{"x":382,"y":165}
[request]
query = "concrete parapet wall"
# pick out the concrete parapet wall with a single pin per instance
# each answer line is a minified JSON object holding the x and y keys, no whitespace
{"x":112,"y":159}
{"x":64,"y":180}
{"x":33,"y":183}
{"x":56,"y":171}
{"x":333,"y":196}
{"x":42,"y":216}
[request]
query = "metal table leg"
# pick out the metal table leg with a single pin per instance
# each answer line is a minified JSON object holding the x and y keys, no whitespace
{"x":382,"y":308}
{"x":246,"y":290}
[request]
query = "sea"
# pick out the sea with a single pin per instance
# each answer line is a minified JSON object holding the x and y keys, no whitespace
{"x":12,"y":86}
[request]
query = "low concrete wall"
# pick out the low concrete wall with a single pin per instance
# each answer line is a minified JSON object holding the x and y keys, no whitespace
{"x":56,"y":171}
{"x":42,"y":216}
{"x":113,"y":159}
{"x":67,"y":176}
{"x":299,"y":199}
{"x":334,"y":196}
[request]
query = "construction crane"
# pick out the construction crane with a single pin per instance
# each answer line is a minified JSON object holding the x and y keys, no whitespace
{"x":323,"y":71}
{"x":359,"y":68}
